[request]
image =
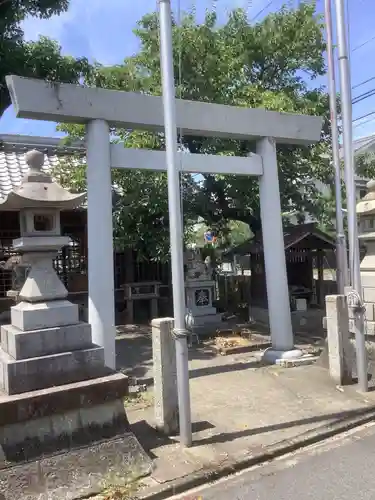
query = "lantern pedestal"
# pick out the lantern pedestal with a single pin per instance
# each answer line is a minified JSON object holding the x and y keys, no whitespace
{"x":201,"y":316}
{"x":37,"y":347}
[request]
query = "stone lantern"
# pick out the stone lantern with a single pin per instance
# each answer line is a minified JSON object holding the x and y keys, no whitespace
{"x":44,"y":324}
{"x":39,"y":201}
{"x":55,"y":389}
{"x":366,"y":234}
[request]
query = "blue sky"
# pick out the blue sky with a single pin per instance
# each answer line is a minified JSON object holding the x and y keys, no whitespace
{"x":102,"y":30}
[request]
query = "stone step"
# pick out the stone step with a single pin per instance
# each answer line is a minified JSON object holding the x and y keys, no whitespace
{"x":44,"y":421}
{"x":79,"y":472}
{"x":18,"y":376}
{"x":34,"y":343}
{"x":28,"y":406}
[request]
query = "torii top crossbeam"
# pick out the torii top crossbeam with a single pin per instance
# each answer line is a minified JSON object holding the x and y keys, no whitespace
{"x":41,"y":100}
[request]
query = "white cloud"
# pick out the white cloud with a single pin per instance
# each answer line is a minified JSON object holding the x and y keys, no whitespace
{"x":102,"y":30}
{"x":96,"y":29}
{"x":52,"y":27}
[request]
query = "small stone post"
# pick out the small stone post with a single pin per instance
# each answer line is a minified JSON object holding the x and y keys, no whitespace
{"x":165,"y":375}
{"x":339,"y":359}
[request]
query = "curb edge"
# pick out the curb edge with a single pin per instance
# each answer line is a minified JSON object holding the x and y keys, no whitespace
{"x":277,"y":450}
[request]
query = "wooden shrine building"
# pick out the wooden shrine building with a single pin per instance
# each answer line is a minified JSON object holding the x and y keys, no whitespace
{"x":310,"y":255}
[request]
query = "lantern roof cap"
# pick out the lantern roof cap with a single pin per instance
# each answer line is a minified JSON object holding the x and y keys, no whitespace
{"x":39,"y":190}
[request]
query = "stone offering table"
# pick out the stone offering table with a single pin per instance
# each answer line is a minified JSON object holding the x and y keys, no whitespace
{"x":142,"y":290}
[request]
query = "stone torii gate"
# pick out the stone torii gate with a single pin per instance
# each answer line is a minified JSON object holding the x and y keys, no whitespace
{"x":99,"y":109}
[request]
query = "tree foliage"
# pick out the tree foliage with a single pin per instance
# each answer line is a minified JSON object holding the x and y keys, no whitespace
{"x":271,"y":64}
{"x":39,"y":59}
{"x":235,"y":233}
{"x":140,"y":203}
{"x":248,"y":65}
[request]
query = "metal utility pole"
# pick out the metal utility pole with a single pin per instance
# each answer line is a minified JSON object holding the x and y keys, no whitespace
{"x":341,"y":255}
{"x":175,"y":221}
{"x":355,"y":276}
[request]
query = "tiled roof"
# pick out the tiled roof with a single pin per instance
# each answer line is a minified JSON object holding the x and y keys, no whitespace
{"x":364,"y":144}
{"x":293,"y":235}
{"x":12,"y":157}
{"x":361,"y":145}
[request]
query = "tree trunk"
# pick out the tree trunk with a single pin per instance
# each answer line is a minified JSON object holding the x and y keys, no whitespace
{"x":5,"y":101}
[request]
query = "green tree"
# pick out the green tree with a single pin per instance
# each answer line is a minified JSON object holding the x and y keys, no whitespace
{"x":270,"y":64}
{"x":365,"y":164}
{"x":39,"y":59}
{"x":233,"y":234}
{"x":251,"y":65}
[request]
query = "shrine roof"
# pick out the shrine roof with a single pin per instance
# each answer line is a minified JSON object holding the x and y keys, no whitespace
{"x":301,"y":236}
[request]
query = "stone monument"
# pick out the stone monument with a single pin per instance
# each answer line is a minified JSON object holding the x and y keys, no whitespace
{"x":201,"y":315}
{"x":366,"y":214}
{"x":54,"y":385}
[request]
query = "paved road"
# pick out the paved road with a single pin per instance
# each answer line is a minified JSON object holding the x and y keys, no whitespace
{"x":340,"y":469}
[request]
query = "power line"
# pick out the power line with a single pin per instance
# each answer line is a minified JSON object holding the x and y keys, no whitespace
{"x":363,"y":96}
{"x":364,"y":123}
{"x":262,"y":10}
{"x":363,"y":83}
{"x":360,"y":97}
{"x":363,"y":116}
{"x":357,"y":47}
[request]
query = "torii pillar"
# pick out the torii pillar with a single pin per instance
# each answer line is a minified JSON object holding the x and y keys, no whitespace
{"x":274,"y":257}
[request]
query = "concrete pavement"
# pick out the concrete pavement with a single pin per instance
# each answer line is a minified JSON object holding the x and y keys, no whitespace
{"x":243,"y":413}
{"x":340,"y":469}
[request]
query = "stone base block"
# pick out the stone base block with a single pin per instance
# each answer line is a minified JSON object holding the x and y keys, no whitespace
{"x":204,"y":311}
{"x":34,"y":343}
{"x":274,"y":356}
{"x":370,"y":311}
{"x":18,"y":376}
{"x":60,"y":426}
{"x":204,"y":324}
{"x":303,"y":361}
{"x":40,"y":421}
{"x":27,"y":316}
{"x":369,"y":327}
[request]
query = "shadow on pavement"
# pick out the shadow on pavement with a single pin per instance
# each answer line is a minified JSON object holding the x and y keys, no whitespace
{"x":197,"y":372}
{"x":134,"y":358}
{"x":134,"y":355}
{"x":152,"y":439}
{"x":225,"y":437}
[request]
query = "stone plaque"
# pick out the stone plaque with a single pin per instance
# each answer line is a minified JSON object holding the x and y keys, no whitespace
{"x":202,"y":297}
